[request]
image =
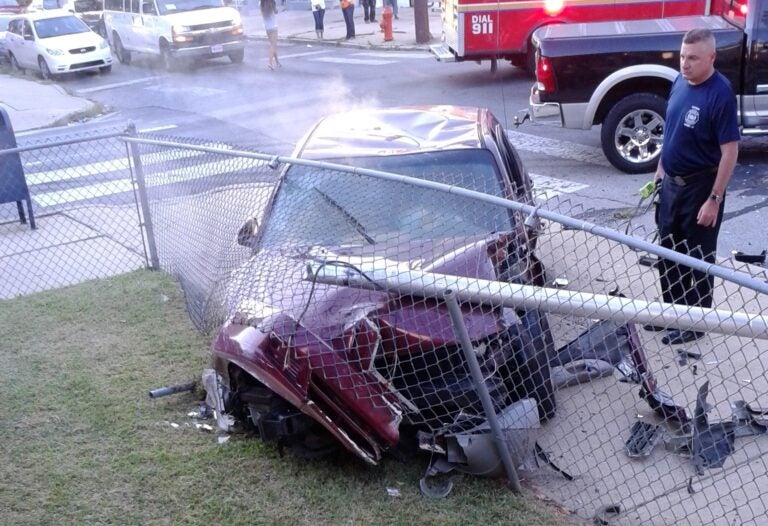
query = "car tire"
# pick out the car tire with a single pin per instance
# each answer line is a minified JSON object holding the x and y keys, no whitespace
{"x":237,"y":56}
{"x":15,"y":63}
{"x":105,"y":69}
{"x":170,"y":62}
{"x":123,"y":55}
{"x":633,"y":131}
{"x":45,"y":71}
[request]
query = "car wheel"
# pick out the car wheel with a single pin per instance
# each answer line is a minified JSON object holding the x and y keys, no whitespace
{"x":633,"y":131}
{"x":45,"y":71}
{"x":237,"y":56}
{"x":123,"y":55}
{"x":105,"y":69}
{"x":14,"y":63}
{"x":169,"y":61}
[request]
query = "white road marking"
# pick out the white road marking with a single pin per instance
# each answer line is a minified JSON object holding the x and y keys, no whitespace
{"x":92,"y":191}
{"x":187,"y":90}
{"x":158,"y":128}
{"x":304,"y":54}
{"x":114,"y":165}
{"x":105,"y":87}
{"x":394,"y":54}
{"x":261,"y":108}
{"x":545,"y":187}
{"x":361,"y":62}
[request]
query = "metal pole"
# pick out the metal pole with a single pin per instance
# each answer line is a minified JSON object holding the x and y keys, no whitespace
{"x":482,"y":390}
{"x":146,"y":217}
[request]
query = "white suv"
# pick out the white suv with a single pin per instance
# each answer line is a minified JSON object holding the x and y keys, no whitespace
{"x":174,"y":29}
{"x":55,"y":42}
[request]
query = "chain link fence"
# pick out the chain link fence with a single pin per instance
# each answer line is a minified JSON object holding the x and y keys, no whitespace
{"x":393,"y":310}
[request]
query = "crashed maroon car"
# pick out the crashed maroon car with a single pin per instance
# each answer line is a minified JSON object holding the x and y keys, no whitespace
{"x":313,"y":366}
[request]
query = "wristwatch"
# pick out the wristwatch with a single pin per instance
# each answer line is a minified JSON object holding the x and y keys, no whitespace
{"x":716,"y":198}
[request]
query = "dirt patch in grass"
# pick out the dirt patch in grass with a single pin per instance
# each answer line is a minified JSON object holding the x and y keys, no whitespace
{"x":84,"y":444}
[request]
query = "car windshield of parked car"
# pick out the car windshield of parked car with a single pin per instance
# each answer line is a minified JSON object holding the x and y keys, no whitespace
{"x":4,"y":19}
{"x":328,"y":208}
{"x":60,"y":26}
{"x":177,"y":6}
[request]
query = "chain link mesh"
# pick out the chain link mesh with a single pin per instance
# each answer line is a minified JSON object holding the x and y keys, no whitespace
{"x":670,"y":433}
{"x":83,"y":208}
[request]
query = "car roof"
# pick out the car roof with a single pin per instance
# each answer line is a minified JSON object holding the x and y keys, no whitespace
{"x":395,"y":131}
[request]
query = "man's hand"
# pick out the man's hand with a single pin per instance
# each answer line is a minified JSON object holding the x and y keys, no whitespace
{"x":708,"y":213}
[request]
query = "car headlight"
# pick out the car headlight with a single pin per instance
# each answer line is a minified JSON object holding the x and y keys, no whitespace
{"x":181,"y":29}
{"x":54,"y":52}
{"x":103,"y":44}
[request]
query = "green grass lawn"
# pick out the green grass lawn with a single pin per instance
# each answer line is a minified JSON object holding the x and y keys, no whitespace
{"x":82,"y":443}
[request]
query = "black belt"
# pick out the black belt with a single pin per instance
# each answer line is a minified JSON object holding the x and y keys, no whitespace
{"x":683,"y":180}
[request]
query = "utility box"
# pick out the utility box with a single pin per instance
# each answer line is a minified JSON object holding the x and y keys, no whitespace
{"x":13,"y":184}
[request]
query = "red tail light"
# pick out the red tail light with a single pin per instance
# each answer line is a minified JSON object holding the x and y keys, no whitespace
{"x":545,"y":75}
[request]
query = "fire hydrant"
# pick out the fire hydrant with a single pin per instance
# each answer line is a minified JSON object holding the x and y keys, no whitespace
{"x":386,"y":23}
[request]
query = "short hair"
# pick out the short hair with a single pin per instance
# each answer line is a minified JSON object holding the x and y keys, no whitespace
{"x":699,"y":34}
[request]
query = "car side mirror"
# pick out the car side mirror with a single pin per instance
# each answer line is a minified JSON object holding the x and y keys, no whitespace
{"x":148,"y":8}
{"x":246,"y":236}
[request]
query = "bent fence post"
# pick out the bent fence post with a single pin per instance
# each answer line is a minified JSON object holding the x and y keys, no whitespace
{"x":141,"y":188}
{"x":482,"y":390}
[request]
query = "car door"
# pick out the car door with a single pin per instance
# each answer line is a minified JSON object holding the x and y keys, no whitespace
{"x":27,"y":49}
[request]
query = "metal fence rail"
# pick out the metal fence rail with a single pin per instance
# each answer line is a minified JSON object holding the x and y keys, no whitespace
{"x":358,"y":264}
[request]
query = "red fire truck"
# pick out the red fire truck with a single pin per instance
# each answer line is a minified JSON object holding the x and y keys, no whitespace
{"x":484,"y":30}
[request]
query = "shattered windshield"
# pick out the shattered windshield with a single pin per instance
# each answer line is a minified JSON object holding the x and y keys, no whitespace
{"x":328,"y":208}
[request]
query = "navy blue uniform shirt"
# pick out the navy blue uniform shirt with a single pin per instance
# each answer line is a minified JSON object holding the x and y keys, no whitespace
{"x":699,"y":119}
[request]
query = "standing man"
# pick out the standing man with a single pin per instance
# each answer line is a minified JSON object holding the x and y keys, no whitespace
{"x":701,"y":144}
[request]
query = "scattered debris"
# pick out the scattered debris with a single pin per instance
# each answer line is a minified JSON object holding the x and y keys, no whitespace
{"x":605,"y":514}
{"x":643,"y":437}
{"x":579,"y":372}
{"x":393,"y":492}
{"x":712,"y":443}
{"x":689,"y":354}
{"x":560,"y":283}
{"x":222,"y":439}
{"x":172,"y":389}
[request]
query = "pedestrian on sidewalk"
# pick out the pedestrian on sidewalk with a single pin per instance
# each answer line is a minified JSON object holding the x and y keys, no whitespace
{"x":392,"y":3}
{"x":269,"y":14}
{"x":369,"y":10}
{"x":348,"y":10}
{"x":318,"y":11}
{"x":701,"y":145}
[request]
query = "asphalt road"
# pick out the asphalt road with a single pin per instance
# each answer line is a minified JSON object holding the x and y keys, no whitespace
{"x":251,"y":106}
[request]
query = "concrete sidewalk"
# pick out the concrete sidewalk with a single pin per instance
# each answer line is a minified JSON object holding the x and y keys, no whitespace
{"x":295,"y":23}
{"x":33,"y":104}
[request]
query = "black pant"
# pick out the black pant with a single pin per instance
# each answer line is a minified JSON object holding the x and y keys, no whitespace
{"x":369,"y":10}
{"x":679,"y":231}
{"x":349,"y":20}
{"x":319,"y":16}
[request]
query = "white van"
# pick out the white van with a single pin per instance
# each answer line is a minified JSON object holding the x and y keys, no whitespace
{"x":174,"y":29}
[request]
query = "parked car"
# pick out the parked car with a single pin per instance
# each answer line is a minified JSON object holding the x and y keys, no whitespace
{"x":4,"y":19}
{"x":176,"y":31}
{"x":316,"y":366}
{"x":55,"y":42}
